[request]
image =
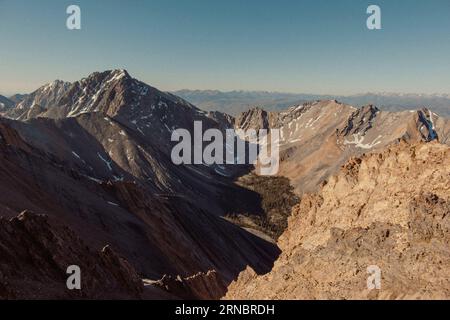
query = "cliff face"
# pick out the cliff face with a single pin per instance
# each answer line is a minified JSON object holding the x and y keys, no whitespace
{"x":388,"y":209}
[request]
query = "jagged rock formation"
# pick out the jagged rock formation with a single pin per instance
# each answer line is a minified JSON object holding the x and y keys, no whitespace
{"x":35,"y":254}
{"x":255,"y":118}
{"x":319,"y":137}
{"x":390,"y":209}
{"x":45,"y":97}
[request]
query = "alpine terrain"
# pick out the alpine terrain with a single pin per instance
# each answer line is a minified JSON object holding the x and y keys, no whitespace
{"x":88,"y":180}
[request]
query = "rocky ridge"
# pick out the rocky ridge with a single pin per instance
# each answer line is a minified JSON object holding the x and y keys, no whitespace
{"x":316,"y":138}
{"x":390,"y":209}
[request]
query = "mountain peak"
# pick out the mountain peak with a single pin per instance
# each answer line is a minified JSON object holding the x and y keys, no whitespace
{"x":55,"y":85}
{"x":119,"y":73}
{"x":108,"y":75}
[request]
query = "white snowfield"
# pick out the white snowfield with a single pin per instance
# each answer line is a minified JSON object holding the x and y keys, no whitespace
{"x":358,"y":142}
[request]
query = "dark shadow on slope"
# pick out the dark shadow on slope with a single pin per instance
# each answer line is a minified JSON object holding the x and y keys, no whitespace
{"x":157,"y":236}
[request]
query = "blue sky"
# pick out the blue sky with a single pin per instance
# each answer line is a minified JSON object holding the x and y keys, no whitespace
{"x":310,"y":46}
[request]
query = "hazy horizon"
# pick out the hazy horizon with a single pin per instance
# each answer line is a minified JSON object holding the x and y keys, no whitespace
{"x":10,"y":94}
{"x":299,"y":47}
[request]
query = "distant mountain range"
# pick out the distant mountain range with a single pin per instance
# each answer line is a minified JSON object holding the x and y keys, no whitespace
{"x":235,"y":102}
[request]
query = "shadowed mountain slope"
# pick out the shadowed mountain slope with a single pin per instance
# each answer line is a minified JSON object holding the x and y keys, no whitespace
{"x":105,"y":171}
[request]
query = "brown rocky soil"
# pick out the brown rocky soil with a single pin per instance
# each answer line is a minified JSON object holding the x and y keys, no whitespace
{"x":390,"y":209}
